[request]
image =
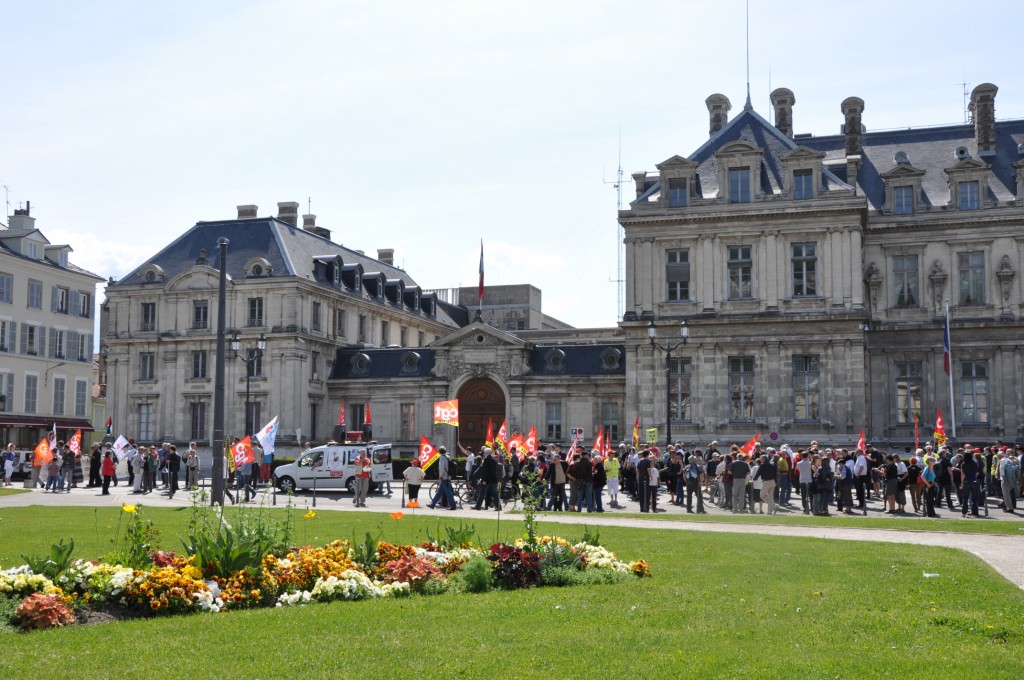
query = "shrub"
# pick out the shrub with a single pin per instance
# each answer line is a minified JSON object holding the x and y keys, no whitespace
{"x":477,"y":575}
{"x":514,"y":567}
{"x":53,"y":564}
{"x":43,"y":611}
{"x":559,"y":576}
{"x":164,"y":591}
{"x":415,"y":571}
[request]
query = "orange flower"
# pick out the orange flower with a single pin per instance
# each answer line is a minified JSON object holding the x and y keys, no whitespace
{"x":397,"y":515}
{"x":412,"y":504}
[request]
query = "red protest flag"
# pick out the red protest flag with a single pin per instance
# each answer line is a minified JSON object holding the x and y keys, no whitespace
{"x":75,"y":443}
{"x":341,"y":415}
{"x":368,"y":420}
{"x":446,"y":412}
{"x":861,"y":443}
{"x":43,"y":453}
{"x":636,"y":432}
{"x":503,"y":431}
{"x":749,"y":446}
{"x":940,"y":429}
{"x":599,"y":442}
{"x":427,"y":454}
{"x":531,"y":440}
{"x":242,"y":453}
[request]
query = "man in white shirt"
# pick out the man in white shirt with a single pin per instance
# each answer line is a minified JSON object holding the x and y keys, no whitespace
{"x":861,"y":477}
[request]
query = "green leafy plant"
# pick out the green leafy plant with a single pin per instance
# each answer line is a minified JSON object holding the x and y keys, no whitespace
{"x":533,"y":500}
{"x":462,"y":536}
{"x":227,"y":548}
{"x":477,"y":575}
{"x":52,"y":565}
{"x":134,"y":547}
{"x":591,"y":538}
{"x":557,"y":556}
{"x":365,"y":553}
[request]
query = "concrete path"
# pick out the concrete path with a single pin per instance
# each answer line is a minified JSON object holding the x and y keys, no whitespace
{"x":1005,"y":553}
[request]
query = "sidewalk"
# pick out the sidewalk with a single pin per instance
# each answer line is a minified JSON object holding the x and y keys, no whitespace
{"x":1005,"y":553}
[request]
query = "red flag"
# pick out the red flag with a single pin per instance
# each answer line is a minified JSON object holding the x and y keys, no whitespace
{"x":242,"y":453}
{"x":531,"y":440}
{"x":861,"y":443}
{"x":427,"y":454}
{"x":341,"y":415}
{"x":749,"y":446}
{"x":368,"y":420}
{"x":75,"y":444}
{"x":599,"y":442}
{"x":489,"y":438}
{"x":480,"y":289}
{"x":517,"y":441}
{"x":636,"y":432}
{"x":607,"y":451}
{"x":446,"y":412}
{"x":43,"y":453}
{"x":940,"y":429}
{"x":503,"y":431}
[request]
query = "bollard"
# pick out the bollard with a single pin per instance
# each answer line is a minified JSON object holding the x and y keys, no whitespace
{"x":314,"y":491}
{"x":403,"y":494}
{"x":273,"y":492}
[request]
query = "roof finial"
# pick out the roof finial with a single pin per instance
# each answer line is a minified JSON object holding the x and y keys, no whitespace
{"x":748,"y":106}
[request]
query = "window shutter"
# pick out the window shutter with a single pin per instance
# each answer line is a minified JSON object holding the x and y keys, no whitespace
{"x":12,"y":337}
{"x":54,"y":293}
{"x":10,"y":392}
{"x":71,"y":346}
{"x":53,"y":344}
{"x":24,"y":338}
{"x":88,"y":348}
{"x":73,"y":303}
{"x":41,"y":342}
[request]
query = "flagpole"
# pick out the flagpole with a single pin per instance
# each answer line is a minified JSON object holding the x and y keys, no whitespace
{"x":952,"y":398}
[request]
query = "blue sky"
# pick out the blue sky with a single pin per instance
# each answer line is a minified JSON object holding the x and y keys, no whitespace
{"x":426,"y":126}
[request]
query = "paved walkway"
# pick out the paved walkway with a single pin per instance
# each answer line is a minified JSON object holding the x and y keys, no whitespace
{"x":1005,"y":553}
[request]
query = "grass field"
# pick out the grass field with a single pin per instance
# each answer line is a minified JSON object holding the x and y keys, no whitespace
{"x":12,"y":491}
{"x":718,"y":606}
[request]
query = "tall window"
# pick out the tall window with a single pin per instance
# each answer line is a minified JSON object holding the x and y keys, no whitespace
{"x":340,"y":322}
{"x":314,"y":365}
{"x":803,"y":184}
{"x":252,"y":417}
{"x":7,"y":392}
{"x":57,"y":343}
{"x":739,"y":185}
{"x":385,"y":333}
{"x":905,"y":280}
{"x":553,"y":416}
{"x":974,"y":392}
{"x":968,"y":195}
{"x":610,"y":421}
{"x":362,"y":328}
{"x":255,"y":311}
{"x":255,"y":363}
{"x":804,"y":275}
{"x":197,"y":421}
{"x":806,"y":388}
{"x":421,"y":339}
{"x":903,"y":201}
{"x":35,"y":294}
{"x":81,"y":397}
{"x":677,"y":275}
{"x":358,"y":413}
{"x":972,"y":277}
{"x":148,"y":322}
{"x":741,"y":387}
{"x":199,"y":363}
{"x":403,"y":336}
{"x":200,"y":314}
{"x":6,"y":288}
{"x":314,"y":317}
{"x":59,"y":395}
{"x":61,"y":300}
{"x":680,"y":372}
{"x":677,"y":193}
{"x":29,"y":339}
{"x":147,"y":365}
{"x":145,"y":429}
{"x":314,"y":417}
{"x":84,"y":305}
{"x":82,"y":351}
{"x":408,"y":426}
{"x":740,"y":272}
{"x":908,"y":391}
{"x":31,"y":393}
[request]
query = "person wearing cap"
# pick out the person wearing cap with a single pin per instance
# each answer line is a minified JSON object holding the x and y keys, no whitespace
{"x":444,"y":485}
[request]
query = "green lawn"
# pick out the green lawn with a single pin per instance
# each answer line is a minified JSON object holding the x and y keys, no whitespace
{"x":718,"y":606}
{"x":11,"y":491}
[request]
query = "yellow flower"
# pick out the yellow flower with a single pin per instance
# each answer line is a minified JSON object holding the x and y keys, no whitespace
{"x":309,"y":515}
{"x":131,"y":509}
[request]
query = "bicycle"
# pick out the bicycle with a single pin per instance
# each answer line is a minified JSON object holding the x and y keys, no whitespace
{"x":458,"y":490}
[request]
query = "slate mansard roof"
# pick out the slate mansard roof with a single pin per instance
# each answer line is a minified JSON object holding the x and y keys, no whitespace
{"x":289,"y":251}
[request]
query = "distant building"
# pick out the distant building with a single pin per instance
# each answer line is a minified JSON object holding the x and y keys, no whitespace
{"x":813,"y":275}
{"x":46,"y":336}
{"x":509,"y":308}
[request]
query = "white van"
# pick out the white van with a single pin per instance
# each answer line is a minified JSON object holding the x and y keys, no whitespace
{"x":334,"y":467}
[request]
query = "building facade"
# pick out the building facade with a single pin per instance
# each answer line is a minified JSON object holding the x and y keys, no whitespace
{"x":813,"y":274}
{"x":46,"y":336}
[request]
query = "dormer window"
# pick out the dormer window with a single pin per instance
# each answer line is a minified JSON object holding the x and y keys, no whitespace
{"x":968,"y":195}
{"x":257,"y":267}
{"x":903,"y":200}
{"x":739,"y":185}
{"x":152,"y":273}
{"x":62,"y":258}
{"x":677,"y":193}
{"x":803,"y":184}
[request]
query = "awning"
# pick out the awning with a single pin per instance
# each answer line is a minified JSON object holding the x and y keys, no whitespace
{"x":36,"y":421}
{"x":72,"y":424}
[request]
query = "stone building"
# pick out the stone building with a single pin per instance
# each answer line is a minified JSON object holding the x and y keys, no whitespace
{"x":46,"y":336}
{"x":813,"y":275}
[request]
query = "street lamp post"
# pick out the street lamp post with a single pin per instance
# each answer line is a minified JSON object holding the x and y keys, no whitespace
{"x":250,"y":358}
{"x":217,"y":474}
{"x":652,"y":333}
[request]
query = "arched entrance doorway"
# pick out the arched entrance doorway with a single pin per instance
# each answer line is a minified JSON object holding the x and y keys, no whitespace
{"x":479,"y":399}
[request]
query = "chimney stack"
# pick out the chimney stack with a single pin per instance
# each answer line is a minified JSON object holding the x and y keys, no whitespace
{"x":288,"y":212}
{"x":640,"y":179}
{"x":782,"y":101}
{"x":308,"y":221}
{"x":718,"y":109}
{"x":853,"y":129}
{"x":246,"y":212}
{"x":22,"y":219}
{"x":983,"y":113}
{"x":386,"y":256}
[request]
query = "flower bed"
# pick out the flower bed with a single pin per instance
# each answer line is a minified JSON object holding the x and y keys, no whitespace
{"x":170,"y":583}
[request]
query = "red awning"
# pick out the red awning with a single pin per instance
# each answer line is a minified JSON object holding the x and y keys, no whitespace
{"x":35,"y":421}
{"x":71,"y":424}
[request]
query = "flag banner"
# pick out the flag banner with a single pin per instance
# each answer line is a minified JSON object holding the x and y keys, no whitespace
{"x":110,"y":427}
{"x":636,"y":432}
{"x":75,"y":443}
{"x":229,"y":457}
{"x":652,"y":435}
{"x":480,"y":288}
{"x":489,"y":437}
{"x":242,"y":453}
{"x":43,"y":453}
{"x":267,"y":436}
{"x":599,"y":441}
{"x":607,"y":450}
{"x":531,"y":441}
{"x":53,"y":437}
{"x":862,"y":443}
{"x":572,"y":448}
{"x":516,"y":442}
{"x":341,"y":415}
{"x":749,"y":446}
{"x":368,"y":420}
{"x":503,"y":431}
{"x":428,"y":453}
{"x":446,"y":412}
{"x":122,"y":447}
{"x":940,"y":429}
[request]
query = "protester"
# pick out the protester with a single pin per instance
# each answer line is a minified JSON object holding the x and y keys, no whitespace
{"x":413,"y":479}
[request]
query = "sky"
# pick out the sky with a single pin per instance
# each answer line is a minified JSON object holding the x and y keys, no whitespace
{"x":428,"y":126}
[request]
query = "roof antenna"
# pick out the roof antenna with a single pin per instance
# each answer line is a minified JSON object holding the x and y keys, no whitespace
{"x":309,"y":205}
{"x":748,"y":106}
